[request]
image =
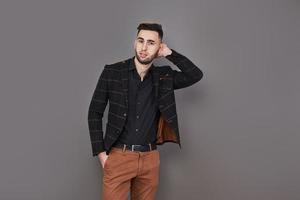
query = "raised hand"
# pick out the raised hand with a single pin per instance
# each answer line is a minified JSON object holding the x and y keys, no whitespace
{"x":164,"y":50}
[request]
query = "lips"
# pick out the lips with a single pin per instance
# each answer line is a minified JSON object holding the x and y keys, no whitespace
{"x":143,"y":55}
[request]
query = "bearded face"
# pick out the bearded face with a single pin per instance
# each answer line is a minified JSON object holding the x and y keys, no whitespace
{"x":146,"y":45}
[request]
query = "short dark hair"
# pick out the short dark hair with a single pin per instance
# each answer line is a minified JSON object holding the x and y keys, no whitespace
{"x":151,"y":26}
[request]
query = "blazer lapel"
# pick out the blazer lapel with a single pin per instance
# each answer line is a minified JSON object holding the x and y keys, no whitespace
{"x":155,"y":76}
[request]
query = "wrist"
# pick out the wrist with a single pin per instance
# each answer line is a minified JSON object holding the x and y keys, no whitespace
{"x":168,"y":53}
{"x":101,"y":153}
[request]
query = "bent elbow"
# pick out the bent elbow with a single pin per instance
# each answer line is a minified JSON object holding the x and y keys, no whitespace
{"x":198,"y":75}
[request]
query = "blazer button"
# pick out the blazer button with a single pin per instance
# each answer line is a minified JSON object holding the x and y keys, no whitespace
{"x":124,"y":114}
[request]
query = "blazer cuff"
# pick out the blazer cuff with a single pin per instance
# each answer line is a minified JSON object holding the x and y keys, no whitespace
{"x":97,"y":147}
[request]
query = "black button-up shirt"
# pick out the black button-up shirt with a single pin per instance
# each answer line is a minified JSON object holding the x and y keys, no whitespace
{"x":143,"y":114}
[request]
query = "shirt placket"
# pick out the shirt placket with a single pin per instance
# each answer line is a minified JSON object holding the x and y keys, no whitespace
{"x":138,"y":108}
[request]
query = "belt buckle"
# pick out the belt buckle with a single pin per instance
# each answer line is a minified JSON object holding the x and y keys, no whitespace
{"x":132,"y":146}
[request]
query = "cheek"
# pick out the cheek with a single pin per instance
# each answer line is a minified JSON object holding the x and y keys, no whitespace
{"x":138,"y":46}
{"x":154,"y":49}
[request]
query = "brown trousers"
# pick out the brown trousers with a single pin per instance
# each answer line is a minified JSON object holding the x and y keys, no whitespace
{"x":127,"y":171}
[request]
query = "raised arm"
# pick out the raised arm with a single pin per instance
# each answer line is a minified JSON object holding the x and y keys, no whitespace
{"x":189,"y":73}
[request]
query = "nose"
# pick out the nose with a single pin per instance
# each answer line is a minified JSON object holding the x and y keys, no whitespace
{"x":144,"y":47}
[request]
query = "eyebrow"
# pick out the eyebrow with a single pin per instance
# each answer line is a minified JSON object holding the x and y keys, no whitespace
{"x":147,"y":40}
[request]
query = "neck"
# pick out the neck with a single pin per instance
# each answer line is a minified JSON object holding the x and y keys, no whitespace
{"x":142,"y":69}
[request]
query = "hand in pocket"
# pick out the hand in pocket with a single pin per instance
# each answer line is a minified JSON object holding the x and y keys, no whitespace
{"x":102,"y":157}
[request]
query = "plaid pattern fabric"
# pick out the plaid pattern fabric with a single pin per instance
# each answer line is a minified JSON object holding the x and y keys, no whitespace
{"x":112,"y":87}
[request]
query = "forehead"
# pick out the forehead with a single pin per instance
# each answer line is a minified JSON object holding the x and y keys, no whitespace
{"x":148,"y":35}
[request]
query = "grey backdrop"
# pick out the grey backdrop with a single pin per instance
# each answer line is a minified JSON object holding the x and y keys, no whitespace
{"x":239,"y":125}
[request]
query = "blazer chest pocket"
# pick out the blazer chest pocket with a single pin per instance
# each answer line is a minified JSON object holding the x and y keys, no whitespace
{"x":165,"y":82}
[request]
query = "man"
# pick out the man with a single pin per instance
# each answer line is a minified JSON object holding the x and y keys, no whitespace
{"x":142,"y":114}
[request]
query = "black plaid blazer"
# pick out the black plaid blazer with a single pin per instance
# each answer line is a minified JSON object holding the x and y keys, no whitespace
{"x":112,"y":87}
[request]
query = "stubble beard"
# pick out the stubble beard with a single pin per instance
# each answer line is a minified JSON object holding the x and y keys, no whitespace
{"x":146,"y":61}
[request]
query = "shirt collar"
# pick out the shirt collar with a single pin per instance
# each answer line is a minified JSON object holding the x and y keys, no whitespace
{"x":131,"y":64}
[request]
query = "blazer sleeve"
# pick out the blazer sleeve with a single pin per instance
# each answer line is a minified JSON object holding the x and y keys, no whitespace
{"x":189,"y":73}
{"x":95,"y":113}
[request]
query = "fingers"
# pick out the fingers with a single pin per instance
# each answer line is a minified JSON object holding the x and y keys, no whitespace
{"x":103,"y":161}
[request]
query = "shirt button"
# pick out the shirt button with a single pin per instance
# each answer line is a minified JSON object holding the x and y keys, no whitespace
{"x":124,"y":114}
{"x":136,"y":129}
{"x":137,"y":116}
